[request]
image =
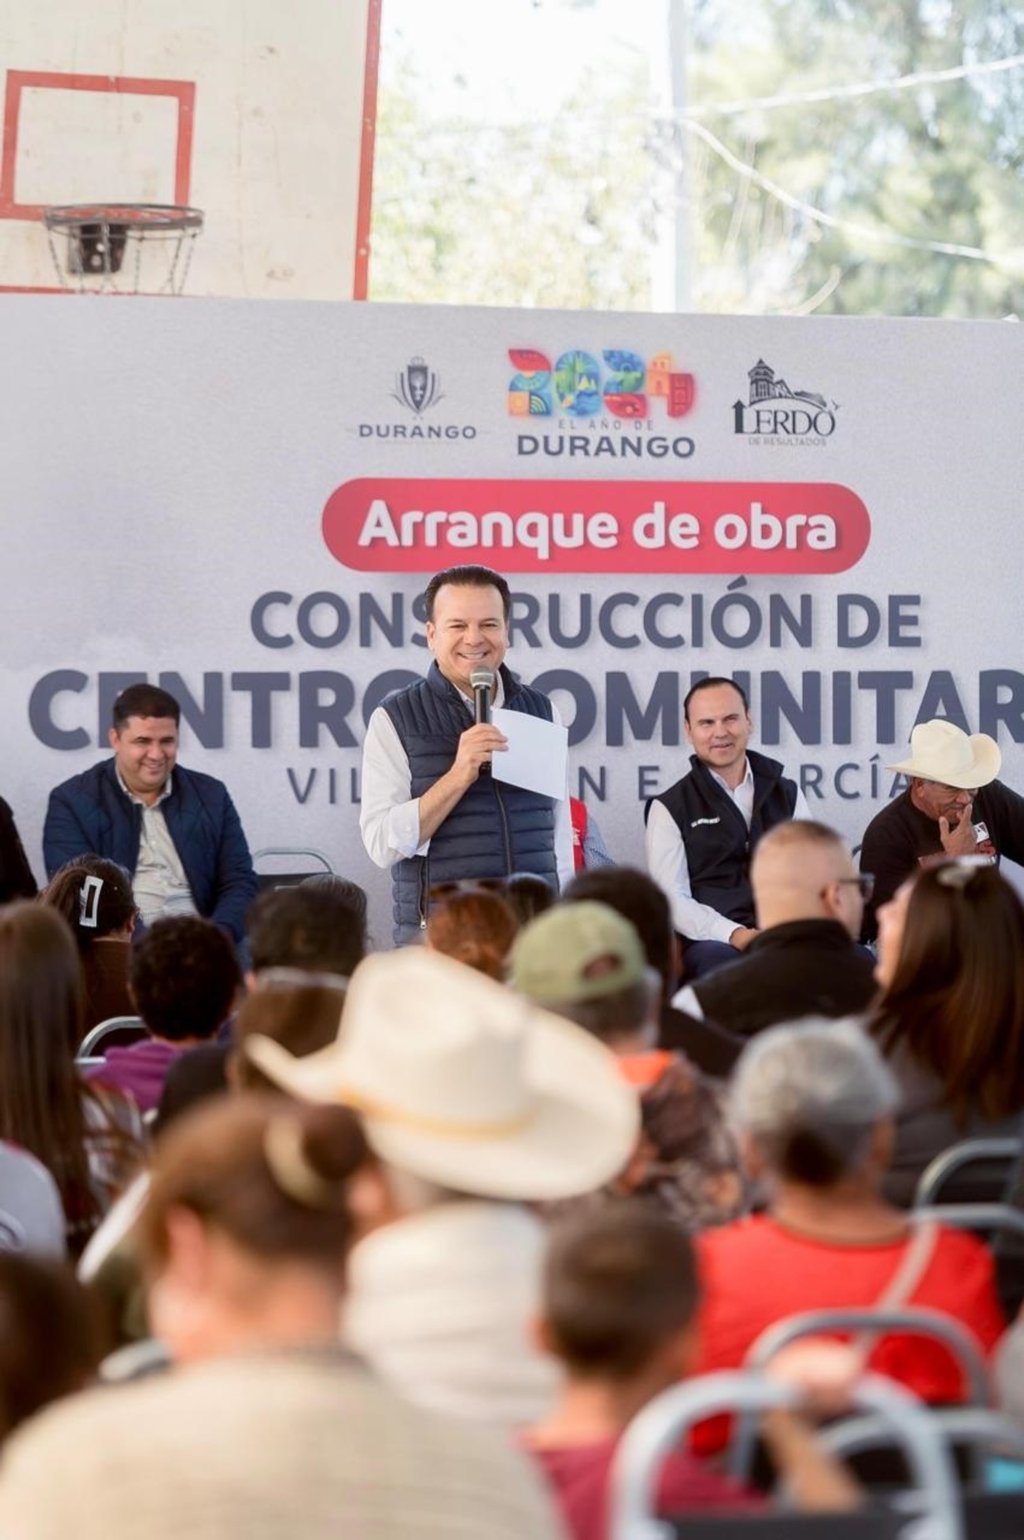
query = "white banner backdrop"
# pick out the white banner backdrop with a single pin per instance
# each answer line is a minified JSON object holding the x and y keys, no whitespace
{"x":244,"y":501}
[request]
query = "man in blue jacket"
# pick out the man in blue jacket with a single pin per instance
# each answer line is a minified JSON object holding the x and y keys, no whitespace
{"x":176,"y":831}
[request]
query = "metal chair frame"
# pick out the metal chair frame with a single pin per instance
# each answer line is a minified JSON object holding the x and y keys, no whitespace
{"x":288,"y":879}
{"x":974,"y":1216}
{"x":913,"y":1320}
{"x":967,"y":1152}
{"x":979,"y":1427}
{"x":91,"y":1041}
{"x":662,"y":1424}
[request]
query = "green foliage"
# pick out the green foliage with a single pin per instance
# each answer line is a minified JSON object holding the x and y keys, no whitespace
{"x":568,"y":211}
{"x":937,"y":164}
{"x":551,"y":213}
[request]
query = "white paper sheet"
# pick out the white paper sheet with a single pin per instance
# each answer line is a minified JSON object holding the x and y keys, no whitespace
{"x":537,"y":755}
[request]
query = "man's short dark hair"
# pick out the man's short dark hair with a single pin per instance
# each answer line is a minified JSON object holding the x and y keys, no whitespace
{"x":183,"y":975}
{"x":638,"y":898}
{"x":527,"y":895}
{"x":316,"y":928}
{"x":144,"y":700}
{"x":619,"y":1281}
{"x":343,"y":888}
{"x":715,"y":682}
{"x":614,"y":1016}
{"x":466,"y":577}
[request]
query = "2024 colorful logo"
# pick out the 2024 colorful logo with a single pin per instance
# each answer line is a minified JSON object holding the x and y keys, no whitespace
{"x":577,"y":386}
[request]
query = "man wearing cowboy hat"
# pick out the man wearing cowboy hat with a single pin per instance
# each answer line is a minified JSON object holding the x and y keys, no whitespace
{"x":477,"y":1104}
{"x":953,"y":804}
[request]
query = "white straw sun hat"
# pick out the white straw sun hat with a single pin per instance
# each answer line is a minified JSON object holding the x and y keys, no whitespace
{"x":941,"y":751}
{"x":466,"y":1084}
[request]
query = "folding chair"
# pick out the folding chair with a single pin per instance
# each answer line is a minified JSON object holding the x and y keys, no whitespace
{"x":1002,"y":1227}
{"x":973,"y":1171}
{"x":911,"y":1320}
{"x":987,"y":1514}
{"x":31,"y":1213}
{"x":987,"y":1218}
{"x":931,"y":1506}
{"x":115,"y":1032}
{"x":289,"y":879}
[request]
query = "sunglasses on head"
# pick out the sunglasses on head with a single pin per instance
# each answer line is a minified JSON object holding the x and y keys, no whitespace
{"x":467,"y":885}
{"x":959,"y":871}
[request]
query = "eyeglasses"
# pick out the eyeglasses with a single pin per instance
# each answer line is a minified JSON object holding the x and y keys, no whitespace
{"x":864,"y":883}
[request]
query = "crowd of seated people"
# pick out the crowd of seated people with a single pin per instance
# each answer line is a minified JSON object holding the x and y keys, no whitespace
{"x":815,"y":1106}
{"x":421,"y":1232}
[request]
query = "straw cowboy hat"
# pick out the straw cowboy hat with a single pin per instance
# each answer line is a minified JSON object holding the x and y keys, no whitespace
{"x":940,"y":751}
{"x":466,"y":1084}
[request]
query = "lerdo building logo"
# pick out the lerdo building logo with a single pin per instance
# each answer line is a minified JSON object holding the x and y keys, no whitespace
{"x":622,"y":406}
{"x":776,"y":414}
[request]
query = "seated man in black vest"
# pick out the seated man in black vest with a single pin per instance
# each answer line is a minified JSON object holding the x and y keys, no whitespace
{"x":431,"y":810}
{"x":701,"y":833}
{"x":805,"y":960}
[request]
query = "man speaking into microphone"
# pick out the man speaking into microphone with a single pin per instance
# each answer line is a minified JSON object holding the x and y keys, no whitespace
{"x":431,"y":810}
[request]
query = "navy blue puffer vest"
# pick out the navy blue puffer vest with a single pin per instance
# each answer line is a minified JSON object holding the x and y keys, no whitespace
{"x":494,"y":829}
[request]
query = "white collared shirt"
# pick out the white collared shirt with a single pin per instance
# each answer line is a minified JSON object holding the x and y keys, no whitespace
{"x":389,"y":817}
{"x":159,"y":884}
{"x":668,"y":865}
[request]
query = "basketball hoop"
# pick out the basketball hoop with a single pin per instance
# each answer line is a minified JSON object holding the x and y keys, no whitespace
{"x":123,"y":248}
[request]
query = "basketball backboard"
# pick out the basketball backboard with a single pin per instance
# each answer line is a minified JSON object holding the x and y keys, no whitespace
{"x":261,"y":115}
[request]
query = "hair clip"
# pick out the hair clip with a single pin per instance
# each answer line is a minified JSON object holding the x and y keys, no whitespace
{"x":89,"y":902}
{"x":291,"y":1170}
{"x":958,"y":871}
{"x":299,"y":978}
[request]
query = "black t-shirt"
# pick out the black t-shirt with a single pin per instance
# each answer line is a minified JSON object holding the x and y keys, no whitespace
{"x":898,"y":836}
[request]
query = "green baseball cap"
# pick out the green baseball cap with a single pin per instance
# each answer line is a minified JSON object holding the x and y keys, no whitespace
{"x":576,"y":952}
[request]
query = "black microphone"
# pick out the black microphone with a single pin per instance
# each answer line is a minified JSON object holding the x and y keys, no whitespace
{"x":482,"y":683}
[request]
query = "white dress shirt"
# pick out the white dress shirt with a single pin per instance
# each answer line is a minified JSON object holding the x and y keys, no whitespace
{"x":389,"y":816}
{"x":159,"y":884}
{"x":667,"y":863}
